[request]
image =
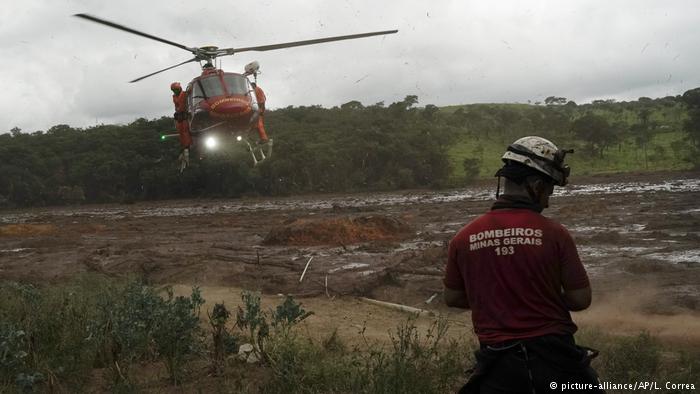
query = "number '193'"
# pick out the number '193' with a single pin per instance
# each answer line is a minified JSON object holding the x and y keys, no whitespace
{"x":505,"y":250}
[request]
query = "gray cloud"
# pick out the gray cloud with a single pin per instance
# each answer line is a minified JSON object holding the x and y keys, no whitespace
{"x":59,"y":69}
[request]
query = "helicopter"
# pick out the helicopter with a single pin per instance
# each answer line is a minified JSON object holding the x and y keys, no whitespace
{"x":223,"y":106}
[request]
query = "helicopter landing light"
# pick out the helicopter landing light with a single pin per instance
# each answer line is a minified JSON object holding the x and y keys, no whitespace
{"x":239,"y":138}
{"x":211,"y":143}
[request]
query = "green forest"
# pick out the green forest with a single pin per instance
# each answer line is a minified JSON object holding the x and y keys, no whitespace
{"x":349,"y":148}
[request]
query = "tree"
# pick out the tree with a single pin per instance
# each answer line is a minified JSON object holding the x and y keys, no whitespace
{"x":691,"y":98}
{"x":352,"y":105}
{"x":553,"y":100}
{"x":471,"y":168}
{"x":691,"y":126}
{"x":643,"y":132}
{"x":400,"y":108}
{"x":595,"y":131}
{"x":429,"y":112}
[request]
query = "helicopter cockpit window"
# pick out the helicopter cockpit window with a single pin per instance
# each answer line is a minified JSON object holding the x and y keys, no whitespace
{"x":208,"y":87}
{"x":236,"y":84}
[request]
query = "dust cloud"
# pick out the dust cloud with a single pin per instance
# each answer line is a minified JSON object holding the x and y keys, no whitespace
{"x":641,"y":307}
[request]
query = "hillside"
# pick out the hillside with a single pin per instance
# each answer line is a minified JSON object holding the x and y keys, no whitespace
{"x":662,"y":146}
{"x":349,"y":148}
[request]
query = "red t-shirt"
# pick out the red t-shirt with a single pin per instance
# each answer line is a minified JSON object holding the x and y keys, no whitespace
{"x":513,"y":265}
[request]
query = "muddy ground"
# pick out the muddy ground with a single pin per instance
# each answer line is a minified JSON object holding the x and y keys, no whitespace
{"x":639,"y":237}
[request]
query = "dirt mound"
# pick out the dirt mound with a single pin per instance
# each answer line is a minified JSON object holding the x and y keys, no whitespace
{"x":24,"y":230}
{"x":338,"y":231}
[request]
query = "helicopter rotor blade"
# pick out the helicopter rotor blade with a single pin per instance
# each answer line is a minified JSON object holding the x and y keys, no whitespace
{"x":129,"y":30}
{"x":194,"y":59}
{"x":231,"y":51}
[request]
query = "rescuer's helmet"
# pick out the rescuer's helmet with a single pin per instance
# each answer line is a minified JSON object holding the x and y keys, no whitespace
{"x":541,"y":155}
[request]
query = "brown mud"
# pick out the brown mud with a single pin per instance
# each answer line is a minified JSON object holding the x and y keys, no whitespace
{"x":639,"y":237}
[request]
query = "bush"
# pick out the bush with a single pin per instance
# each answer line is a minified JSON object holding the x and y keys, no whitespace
{"x":641,"y":357}
{"x":222,"y":340}
{"x":55,"y":336}
{"x":45,"y":335}
{"x":177,"y":330}
{"x":413,"y":364}
{"x":135,"y":323}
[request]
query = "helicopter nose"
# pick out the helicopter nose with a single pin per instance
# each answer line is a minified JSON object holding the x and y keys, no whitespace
{"x":231,"y":107}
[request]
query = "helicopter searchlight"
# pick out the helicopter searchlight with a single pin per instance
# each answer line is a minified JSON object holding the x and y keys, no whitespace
{"x":211,"y":143}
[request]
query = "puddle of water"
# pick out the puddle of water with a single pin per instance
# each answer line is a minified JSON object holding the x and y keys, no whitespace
{"x":626,"y":229}
{"x":634,"y":228}
{"x":349,"y":267}
{"x":636,"y":249}
{"x":416,"y":245}
{"x":587,"y":229}
{"x":678,"y":257}
{"x":587,"y":251}
{"x":323,"y":202}
{"x":676,"y":185}
{"x":16,"y":250}
{"x":591,"y":251}
{"x":366,"y":273}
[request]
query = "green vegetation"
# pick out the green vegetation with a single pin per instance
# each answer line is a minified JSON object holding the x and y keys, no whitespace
{"x":53,"y":337}
{"x":348,"y":148}
{"x":642,"y":358}
{"x":96,"y":334}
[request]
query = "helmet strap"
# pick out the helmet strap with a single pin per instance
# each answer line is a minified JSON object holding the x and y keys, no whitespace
{"x":531,"y":192}
{"x":498,"y":187}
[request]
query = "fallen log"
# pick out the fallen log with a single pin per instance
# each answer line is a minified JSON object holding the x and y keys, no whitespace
{"x":398,"y":307}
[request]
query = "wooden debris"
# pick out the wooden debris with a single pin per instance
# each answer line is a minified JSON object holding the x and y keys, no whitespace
{"x":305,"y":268}
{"x":398,"y":307}
{"x":432,"y":297}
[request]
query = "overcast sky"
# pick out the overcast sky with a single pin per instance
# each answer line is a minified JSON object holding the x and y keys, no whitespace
{"x":58,"y":69}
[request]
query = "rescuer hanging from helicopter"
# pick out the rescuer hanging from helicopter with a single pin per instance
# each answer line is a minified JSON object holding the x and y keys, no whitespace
{"x":182,"y":121}
{"x":260,"y":98}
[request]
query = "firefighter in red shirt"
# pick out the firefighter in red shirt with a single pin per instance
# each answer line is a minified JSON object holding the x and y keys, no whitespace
{"x":520,"y":274}
{"x":260,"y":98}
{"x":182,"y":121}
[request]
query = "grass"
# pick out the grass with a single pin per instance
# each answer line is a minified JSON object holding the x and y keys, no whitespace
{"x":666,"y":151}
{"x":95,"y":334}
{"x":642,"y":358}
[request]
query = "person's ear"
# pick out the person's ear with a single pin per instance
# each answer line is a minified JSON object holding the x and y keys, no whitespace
{"x":537,"y":185}
{"x":541,"y":187}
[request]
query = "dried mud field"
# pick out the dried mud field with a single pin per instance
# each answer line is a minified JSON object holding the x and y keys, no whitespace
{"x":638,"y":235}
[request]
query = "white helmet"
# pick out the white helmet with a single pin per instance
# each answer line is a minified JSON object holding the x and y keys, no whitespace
{"x":542,"y":155}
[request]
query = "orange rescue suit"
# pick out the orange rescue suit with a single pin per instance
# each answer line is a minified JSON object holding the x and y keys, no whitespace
{"x":181,"y":122}
{"x":260,"y":98}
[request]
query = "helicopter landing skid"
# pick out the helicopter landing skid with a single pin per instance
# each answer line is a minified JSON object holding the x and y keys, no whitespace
{"x":259,"y":152}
